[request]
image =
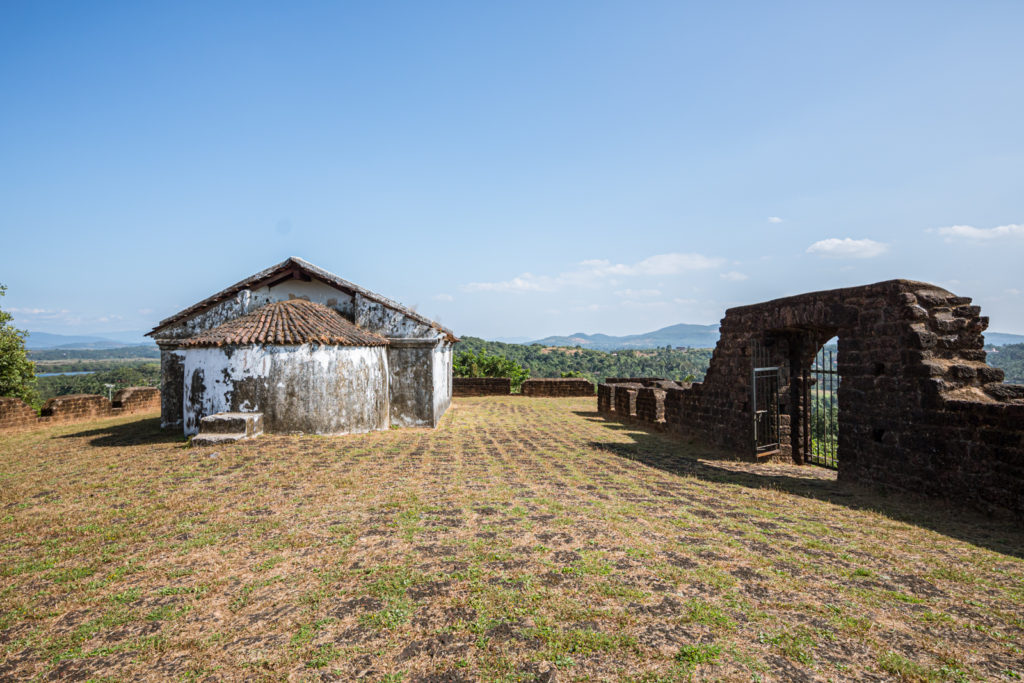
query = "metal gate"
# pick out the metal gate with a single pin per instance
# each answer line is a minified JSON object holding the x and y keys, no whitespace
{"x":764,"y":399}
{"x":822,"y":433}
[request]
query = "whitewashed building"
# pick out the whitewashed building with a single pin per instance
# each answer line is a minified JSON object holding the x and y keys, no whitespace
{"x":310,"y":351}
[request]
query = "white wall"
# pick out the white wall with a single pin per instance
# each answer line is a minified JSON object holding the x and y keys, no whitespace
{"x":308,"y":388}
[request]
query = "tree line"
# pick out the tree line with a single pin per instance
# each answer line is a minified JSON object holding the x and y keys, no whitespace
{"x":1009,"y":359}
{"x":475,"y":357}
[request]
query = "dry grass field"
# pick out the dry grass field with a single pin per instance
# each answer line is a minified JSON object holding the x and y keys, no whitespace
{"x":522,"y":540}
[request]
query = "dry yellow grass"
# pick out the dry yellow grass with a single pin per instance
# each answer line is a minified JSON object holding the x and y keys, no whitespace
{"x":524,"y":539}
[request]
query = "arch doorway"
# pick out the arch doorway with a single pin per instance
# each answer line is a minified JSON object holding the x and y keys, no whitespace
{"x":821,"y":414}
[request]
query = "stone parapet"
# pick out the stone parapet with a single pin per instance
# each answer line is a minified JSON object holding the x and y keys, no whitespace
{"x":16,"y":414}
{"x":919,"y":410}
{"x":481,"y":386}
{"x":558,"y":386}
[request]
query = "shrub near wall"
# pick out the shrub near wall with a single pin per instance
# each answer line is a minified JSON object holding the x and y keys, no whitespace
{"x":481,"y":386}
{"x":558,"y":386}
{"x":16,"y":414}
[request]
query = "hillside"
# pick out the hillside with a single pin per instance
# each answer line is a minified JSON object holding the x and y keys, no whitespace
{"x":549,"y":361}
{"x":521,"y":540}
{"x":1010,"y":359}
{"x":684,"y":335}
{"x":48,"y":340}
{"x":698,"y":336}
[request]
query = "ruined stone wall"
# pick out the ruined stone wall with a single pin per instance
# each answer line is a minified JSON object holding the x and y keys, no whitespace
{"x":558,"y":386}
{"x":650,"y":406}
{"x":625,"y":400}
{"x":919,"y":409}
{"x":481,"y":386}
{"x":16,"y":414}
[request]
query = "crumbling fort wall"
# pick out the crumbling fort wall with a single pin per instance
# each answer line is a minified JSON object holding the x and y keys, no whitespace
{"x":15,"y":414}
{"x":558,"y":386}
{"x":919,"y":409}
{"x":481,"y":386}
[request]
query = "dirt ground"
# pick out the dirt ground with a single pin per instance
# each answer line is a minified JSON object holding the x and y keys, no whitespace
{"x":522,"y":540}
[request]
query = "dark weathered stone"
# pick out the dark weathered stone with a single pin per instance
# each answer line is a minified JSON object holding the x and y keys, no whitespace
{"x":481,"y":386}
{"x":16,"y":414}
{"x":919,"y":411}
{"x":558,"y":386}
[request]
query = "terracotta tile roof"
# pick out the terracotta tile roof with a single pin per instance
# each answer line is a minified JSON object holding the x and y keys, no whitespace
{"x":295,"y":266}
{"x":291,"y":322}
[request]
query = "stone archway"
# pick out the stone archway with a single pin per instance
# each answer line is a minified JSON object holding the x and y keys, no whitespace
{"x":921,"y":410}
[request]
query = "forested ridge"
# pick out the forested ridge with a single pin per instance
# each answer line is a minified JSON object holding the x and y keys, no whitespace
{"x":1010,"y":359}
{"x":546,"y":361}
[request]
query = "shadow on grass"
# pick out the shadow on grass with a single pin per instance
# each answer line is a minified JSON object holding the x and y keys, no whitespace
{"x":136,"y":433}
{"x":690,"y":458}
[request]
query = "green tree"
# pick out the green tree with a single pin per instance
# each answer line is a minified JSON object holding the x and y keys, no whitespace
{"x":469,"y":364}
{"x":17,"y":372}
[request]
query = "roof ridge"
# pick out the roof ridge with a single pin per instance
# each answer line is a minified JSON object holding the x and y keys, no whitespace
{"x":309,"y":269}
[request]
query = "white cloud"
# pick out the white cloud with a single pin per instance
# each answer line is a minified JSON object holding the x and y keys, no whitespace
{"x":594,"y":272}
{"x":443,"y":297}
{"x":637,"y":293}
{"x":31,"y":311}
{"x":527,"y":282}
{"x":848,"y":248}
{"x":969,"y":232}
{"x":1013,"y":291}
{"x":734,"y":276}
{"x":774,"y":219}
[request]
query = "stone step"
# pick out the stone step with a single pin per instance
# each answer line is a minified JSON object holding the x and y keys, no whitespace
{"x":216,"y":439}
{"x":247,"y":424}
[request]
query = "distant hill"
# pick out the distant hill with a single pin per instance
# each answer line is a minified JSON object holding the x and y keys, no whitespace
{"x":1002,"y":339}
{"x":696,"y":336}
{"x":49,"y":340}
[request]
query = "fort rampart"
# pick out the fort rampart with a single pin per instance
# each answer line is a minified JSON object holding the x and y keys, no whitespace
{"x":537,"y":387}
{"x":919,"y":410}
{"x":16,"y":414}
{"x":481,"y":386}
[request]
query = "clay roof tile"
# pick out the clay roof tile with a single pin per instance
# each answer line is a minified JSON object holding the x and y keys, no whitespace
{"x":291,"y":322}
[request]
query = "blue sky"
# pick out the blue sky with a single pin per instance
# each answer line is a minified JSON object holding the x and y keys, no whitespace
{"x":512,"y":169}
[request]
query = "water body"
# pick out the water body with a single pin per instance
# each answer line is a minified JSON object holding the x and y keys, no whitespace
{"x":57,"y":374}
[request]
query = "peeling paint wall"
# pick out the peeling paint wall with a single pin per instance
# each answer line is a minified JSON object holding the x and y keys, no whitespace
{"x":308,"y":388}
{"x":375,"y":317}
{"x":369,"y":315}
{"x":442,"y":376}
{"x":411,"y":384}
{"x":247,"y":301}
{"x":172,"y":386}
{"x":417,"y":368}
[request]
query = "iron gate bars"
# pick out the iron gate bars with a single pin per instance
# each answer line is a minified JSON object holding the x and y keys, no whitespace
{"x":764,"y":399}
{"x":823,"y":426}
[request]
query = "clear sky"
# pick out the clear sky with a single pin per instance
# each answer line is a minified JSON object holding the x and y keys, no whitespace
{"x":510,"y":169}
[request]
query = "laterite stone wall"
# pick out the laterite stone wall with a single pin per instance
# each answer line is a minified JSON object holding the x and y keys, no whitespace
{"x":16,"y":414}
{"x":625,"y":400}
{"x":919,"y":409}
{"x":558,"y":386}
{"x":481,"y":386}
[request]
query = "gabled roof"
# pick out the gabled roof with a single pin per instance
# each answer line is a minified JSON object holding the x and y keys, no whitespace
{"x":295,"y":267}
{"x":291,"y":322}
